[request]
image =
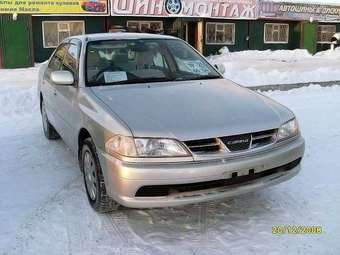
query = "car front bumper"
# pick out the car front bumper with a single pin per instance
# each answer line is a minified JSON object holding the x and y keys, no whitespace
{"x":123,"y":179}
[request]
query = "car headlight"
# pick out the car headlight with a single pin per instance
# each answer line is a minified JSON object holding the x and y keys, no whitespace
{"x":145,"y":147}
{"x":121,"y":145}
{"x":151,"y":147}
{"x":288,"y":130}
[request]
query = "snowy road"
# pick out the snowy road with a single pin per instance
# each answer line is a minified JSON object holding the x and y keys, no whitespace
{"x":43,"y":206}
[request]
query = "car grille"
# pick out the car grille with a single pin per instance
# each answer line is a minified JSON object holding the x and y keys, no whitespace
{"x":166,"y":190}
{"x":235,"y":143}
{"x":264,"y":138}
{"x":204,"y":145}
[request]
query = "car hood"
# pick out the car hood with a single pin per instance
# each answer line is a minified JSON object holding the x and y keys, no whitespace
{"x":192,"y":109}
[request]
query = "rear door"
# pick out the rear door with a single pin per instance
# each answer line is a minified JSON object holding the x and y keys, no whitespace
{"x":48,"y":88}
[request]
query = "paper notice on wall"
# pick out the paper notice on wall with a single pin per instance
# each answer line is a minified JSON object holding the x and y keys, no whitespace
{"x":115,"y":76}
{"x":197,"y":67}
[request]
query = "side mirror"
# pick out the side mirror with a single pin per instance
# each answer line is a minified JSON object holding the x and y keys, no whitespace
{"x":62,"y":78}
{"x":220,"y":68}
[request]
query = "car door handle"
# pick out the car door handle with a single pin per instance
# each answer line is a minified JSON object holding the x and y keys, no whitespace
{"x":55,"y":92}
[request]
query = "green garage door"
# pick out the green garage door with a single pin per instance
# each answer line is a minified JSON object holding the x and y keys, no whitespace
{"x":16,"y":41}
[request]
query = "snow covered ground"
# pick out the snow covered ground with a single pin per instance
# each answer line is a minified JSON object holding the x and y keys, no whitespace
{"x":255,"y":68}
{"x":44,"y":209}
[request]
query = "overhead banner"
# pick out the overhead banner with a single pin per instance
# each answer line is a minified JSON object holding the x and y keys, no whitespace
{"x":299,"y":11}
{"x":223,"y":9}
{"x":87,"y":7}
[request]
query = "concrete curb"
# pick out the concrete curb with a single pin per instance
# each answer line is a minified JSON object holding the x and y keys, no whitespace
{"x":286,"y":87}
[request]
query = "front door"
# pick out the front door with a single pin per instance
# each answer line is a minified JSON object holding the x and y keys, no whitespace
{"x":17,"y":50}
{"x":67,"y":96}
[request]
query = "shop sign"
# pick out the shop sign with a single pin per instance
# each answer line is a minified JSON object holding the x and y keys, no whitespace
{"x":224,"y":9}
{"x":299,"y":11}
{"x":89,"y":7}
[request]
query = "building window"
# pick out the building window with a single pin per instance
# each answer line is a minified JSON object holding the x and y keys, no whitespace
{"x":325,"y":33}
{"x":54,"y":32}
{"x":145,"y":26}
{"x":276,"y":33}
{"x":220,"y":33}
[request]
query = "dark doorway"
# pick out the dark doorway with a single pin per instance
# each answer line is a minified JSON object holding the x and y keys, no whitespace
{"x":190,"y":29}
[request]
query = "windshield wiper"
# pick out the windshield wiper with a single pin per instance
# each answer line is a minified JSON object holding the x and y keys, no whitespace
{"x":156,"y":79}
{"x":200,"y":77}
{"x":132,"y":81}
{"x":206,"y":77}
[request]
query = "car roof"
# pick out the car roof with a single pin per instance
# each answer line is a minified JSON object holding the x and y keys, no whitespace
{"x":120,"y":36}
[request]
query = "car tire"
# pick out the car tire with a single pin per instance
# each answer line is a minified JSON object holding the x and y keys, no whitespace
{"x":94,"y":179}
{"x":49,"y":130}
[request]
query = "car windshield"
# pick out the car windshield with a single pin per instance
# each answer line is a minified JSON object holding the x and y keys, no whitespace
{"x":143,"y":61}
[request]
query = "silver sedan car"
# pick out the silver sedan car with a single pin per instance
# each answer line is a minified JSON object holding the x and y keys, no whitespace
{"x":155,"y":125}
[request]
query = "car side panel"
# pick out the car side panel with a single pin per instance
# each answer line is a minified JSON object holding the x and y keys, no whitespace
{"x":48,"y":93}
{"x":68,"y":113}
{"x":45,"y":91}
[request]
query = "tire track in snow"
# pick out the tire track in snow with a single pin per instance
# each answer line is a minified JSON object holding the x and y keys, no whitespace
{"x":39,"y":213}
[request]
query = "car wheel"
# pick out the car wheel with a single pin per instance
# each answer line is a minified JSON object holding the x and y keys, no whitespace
{"x":49,"y":130}
{"x":94,"y":179}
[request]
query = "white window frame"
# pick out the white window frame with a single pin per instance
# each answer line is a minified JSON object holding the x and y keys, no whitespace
{"x":275,"y":42}
{"x":140,"y":22}
{"x":58,"y":22}
{"x":219,"y":23}
{"x":324,"y":42}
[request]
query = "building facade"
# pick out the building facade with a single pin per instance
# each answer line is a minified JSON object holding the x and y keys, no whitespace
{"x":208,"y":25}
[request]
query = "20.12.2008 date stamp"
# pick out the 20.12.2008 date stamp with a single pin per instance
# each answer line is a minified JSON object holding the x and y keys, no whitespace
{"x":297,"y":230}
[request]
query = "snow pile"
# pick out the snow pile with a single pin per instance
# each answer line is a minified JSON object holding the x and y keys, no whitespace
{"x":18,"y":92}
{"x":330,"y":54}
{"x":281,"y":55}
{"x":256,"y":68}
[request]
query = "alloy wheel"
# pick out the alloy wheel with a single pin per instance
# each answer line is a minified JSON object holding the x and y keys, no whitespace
{"x":90,"y":175}
{"x":44,"y":117}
